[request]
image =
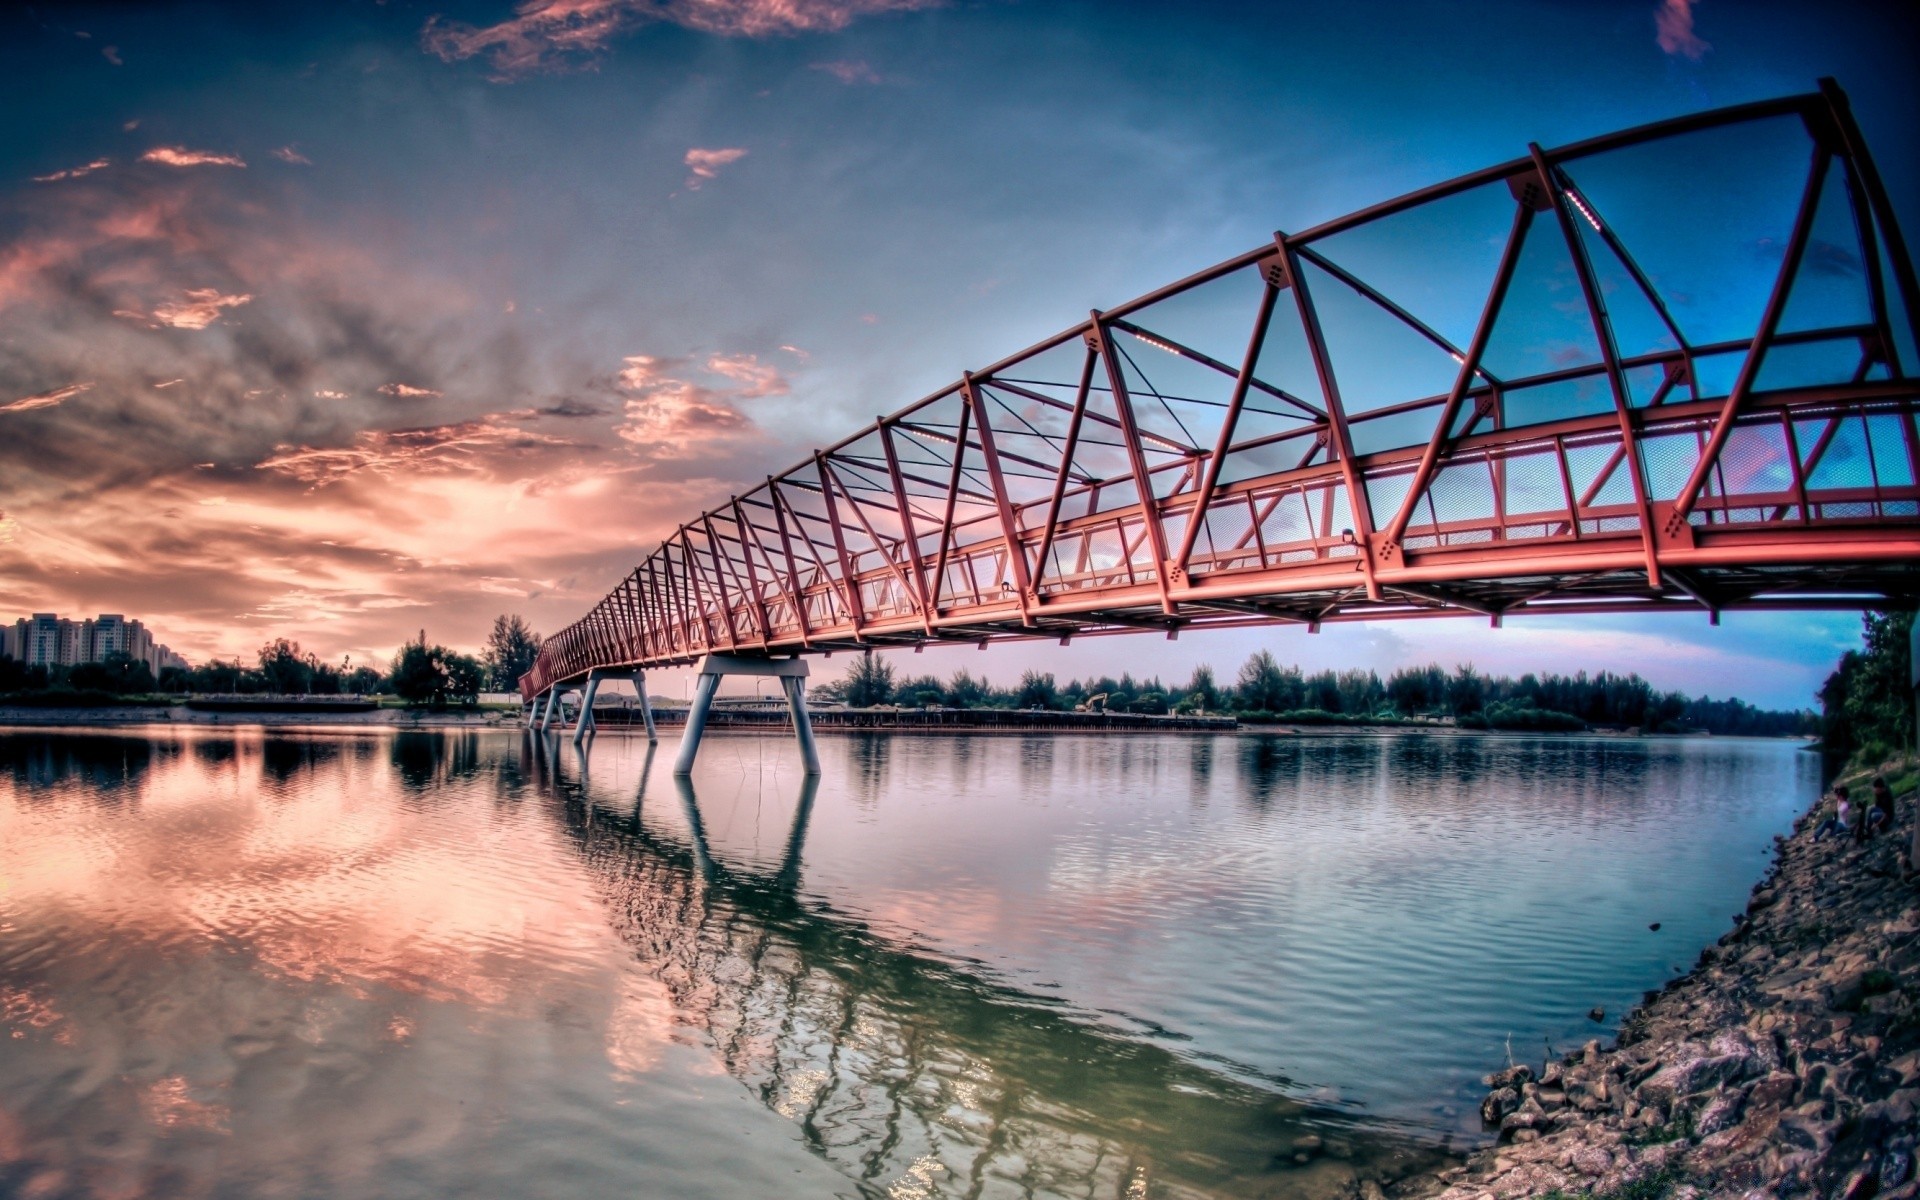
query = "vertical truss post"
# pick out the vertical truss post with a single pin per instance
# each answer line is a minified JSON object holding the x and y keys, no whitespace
{"x":898,"y":481}
{"x":1274,"y":276}
{"x":1074,"y":422}
{"x":719,"y":560}
{"x":795,"y":590}
{"x":1609,"y":355}
{"x":749,"y":541}
{"x":1009,"y":532}
{"x":849,"y":583}
{"x":1757,"y":351}
{"x":953,"y":498}
{"x":1359,"y":503}
{"x":1856,"y":149}
{"x":1442,"y":440}
{"x":1102,"y":342}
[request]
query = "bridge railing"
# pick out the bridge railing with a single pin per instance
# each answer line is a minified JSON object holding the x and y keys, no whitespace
{"x":1671,"y":364}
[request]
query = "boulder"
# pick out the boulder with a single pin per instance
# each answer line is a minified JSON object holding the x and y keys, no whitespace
{"x":1691,"y":1075}
{"x":1499,"y":1103}
{"x":1721,"y":1111}
{"x":1512,"y":1077}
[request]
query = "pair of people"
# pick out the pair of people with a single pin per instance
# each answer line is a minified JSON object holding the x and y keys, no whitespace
{"x":1863,"y":825}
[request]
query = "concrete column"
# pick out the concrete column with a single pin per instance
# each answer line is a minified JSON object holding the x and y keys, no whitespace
{"x":796,"y":688}
{"x":584,"y":721}
{"x":553,"y":700}
{"x":646,"y":705}
{"x":696,"y":722}
{"x":792,"y":674}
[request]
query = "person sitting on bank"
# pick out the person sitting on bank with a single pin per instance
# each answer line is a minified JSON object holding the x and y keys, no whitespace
{"x":1836,"y":818}
{"x":1879,"y":814}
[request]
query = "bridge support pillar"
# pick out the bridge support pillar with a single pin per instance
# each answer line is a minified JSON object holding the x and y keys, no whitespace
{"x":792,"y":674}
{"x":583,"y":721}
{"x":553,"y":702}
{"x":585,"y":724}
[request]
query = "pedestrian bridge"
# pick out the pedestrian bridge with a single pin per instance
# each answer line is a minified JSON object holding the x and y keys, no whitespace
{"x":1667,"y":368}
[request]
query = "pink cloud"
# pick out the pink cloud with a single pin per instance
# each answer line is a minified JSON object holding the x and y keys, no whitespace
{"x":98,"y":164}
{"x":45,"y":399}
{"x":667,"y":413}
{"x":180,"y":156}
{"x":112,"y":55}
{"x":760,"y":379}
{"x":1673,"y":26}
{"x":461,"y":446}
{"x":850,"y":71}
{"x":557,"y":35}
{"x":406,"y":391}
{"x":706,"y":164}
{"x":201,"y":308}
{"x":287,"y":154}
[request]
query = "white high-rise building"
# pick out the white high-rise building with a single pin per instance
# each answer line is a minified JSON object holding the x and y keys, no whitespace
{"x":50,"y":640}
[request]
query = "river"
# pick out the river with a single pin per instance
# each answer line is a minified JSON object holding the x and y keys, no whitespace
{"x":256,"y":963}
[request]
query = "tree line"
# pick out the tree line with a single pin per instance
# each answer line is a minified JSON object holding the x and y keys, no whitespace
{"x":420,"y":673}
{"x":1265,"y":691}
{"x":1861,"y":707}
{"x":1866,"y":705}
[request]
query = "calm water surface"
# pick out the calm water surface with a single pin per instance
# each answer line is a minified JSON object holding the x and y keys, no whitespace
{"x":240,"y":963}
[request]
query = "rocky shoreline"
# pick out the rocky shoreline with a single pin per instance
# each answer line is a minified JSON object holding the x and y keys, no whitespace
{"x":1786,"y":1063}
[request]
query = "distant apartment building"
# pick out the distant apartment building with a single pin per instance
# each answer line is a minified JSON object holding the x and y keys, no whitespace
{"x":51,"y":640}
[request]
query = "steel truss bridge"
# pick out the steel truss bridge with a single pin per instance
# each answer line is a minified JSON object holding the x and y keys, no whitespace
{"x":1668,"y":368}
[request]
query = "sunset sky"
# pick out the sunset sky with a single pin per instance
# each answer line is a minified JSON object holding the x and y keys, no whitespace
{"x":342,"y":321}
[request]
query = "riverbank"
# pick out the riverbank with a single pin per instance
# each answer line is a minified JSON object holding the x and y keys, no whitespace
{"x":129,"y":715}
{"x":1786,"y":1063}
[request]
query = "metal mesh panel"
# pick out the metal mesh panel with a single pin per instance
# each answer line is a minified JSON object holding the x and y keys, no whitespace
{"x":1669,"y":459}
{"x":1532,"y":483}
{"x":1290,"y":522}
{"x":1462,"y":493}
{"x":1754,"y":461}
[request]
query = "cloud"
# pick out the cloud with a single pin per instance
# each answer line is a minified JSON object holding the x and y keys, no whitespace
{"x":201,"y":308}
{"x":329,"y":394}
{"x":797,"y":352}
{"x":760,"y":380}
{"x":560,"y":35}
{"x":405,"y":391}
{"x":850,"y":71}
{"x":287,"y":154}
{"x":45,"y":399}
{"x":706,"y":164}
{"x":1673,"y":29}
{"x":98,"y":164}
{"x":112,"y":55}
{"x":666,"y":413}
{"x":180,"y":156}
{"x":461,"y":446}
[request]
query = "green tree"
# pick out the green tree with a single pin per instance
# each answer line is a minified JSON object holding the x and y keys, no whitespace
{"x":510,"y":651}
{"x":1037,"y":690}
{"x":1264,"y":686}
{"x":435,"y":675}
{"x":869,"y":681}
{"x":1867,"y":703}
{"x":418,"y":675}
{"x":964,"y":691}
{"x":1466,"y":691}
{"x":287,"y":671}
{"x":1201,"y":694}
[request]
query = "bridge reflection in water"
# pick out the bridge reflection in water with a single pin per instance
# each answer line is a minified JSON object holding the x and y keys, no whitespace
{"x":918,"y":1077}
